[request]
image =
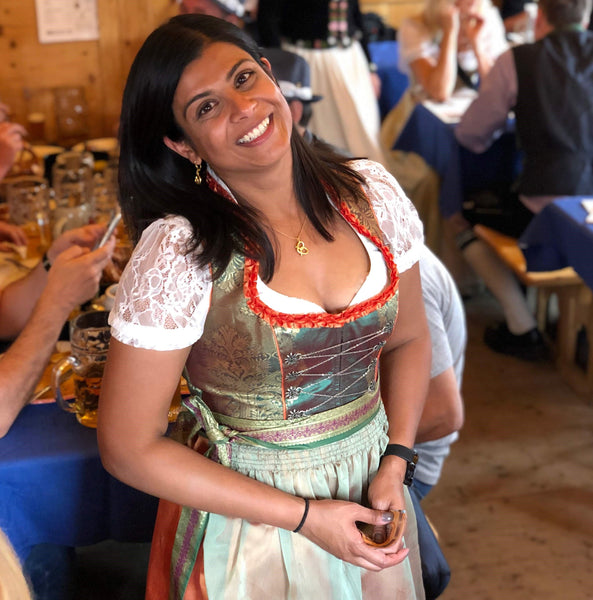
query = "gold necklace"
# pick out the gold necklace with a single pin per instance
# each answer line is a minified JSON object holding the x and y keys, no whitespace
{"x":300,"y":247}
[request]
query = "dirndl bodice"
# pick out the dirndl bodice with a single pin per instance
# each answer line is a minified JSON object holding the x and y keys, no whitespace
{"x":257,"y":364}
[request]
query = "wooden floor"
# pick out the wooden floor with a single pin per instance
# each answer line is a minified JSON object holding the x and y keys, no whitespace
{"x":514,"y":508}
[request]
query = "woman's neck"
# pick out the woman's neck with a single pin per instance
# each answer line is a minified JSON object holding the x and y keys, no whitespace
{"x":268,"y":190}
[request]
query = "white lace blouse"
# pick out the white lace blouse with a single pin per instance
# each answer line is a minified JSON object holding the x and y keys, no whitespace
{"x":163,"y":297}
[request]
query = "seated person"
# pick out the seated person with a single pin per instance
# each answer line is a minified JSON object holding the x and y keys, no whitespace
{"x":443,"y":412}
{"x":514,"y":16}
{"x":229,"y":10}
{"x":293,"y":75}
{"x":449,"y":45}
{"x":11,"y":140}
{"x":12,"y":580}
{"x":233,"y":11}
{"x":34,"y":309}
{"x":549,"y":87}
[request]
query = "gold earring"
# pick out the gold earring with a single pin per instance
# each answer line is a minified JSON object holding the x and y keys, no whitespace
{"x":198,"y":177}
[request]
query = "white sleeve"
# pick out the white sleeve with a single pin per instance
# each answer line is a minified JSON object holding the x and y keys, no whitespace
{"x":395,"y":213}
{"x":163,"y":296}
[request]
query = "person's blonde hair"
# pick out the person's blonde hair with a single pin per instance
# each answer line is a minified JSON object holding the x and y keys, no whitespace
{"x":432,"y":9}
{"x":13,"y":585}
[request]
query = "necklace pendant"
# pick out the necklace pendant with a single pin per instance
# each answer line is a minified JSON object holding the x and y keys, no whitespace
{"x":301,"y":249}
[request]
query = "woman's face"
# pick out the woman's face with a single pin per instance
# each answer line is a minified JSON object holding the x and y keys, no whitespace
{"x":468,"y":7}
{"x":233,"y":115}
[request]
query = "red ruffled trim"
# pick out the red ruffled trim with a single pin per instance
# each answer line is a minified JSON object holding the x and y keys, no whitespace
{"x":278,"y":319}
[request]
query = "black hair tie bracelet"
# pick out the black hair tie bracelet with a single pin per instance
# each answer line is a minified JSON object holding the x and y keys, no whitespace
{"x":304,"y":518}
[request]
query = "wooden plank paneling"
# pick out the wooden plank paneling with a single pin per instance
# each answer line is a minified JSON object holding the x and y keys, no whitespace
{"x":392,"y":11}
{"x":29,"y":71}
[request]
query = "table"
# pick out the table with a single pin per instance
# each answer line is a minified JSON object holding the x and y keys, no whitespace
{"x":559,"y":237}
{"x":53,"y":488}
{"x":460,"y":170}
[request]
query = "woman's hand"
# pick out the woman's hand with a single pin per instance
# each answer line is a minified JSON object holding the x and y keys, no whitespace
{"x":331,"y":524}
{"x":471,"y":27}
{"x":386,"y":491}
{"x":448,"y":18}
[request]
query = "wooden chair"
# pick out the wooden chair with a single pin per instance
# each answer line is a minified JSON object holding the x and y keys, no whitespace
{"x":575,"y":305}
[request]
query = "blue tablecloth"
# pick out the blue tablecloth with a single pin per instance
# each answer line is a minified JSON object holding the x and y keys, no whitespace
{"x":385,"y":55}
{"x":53,"y":488}
{"x":461,"y":171}
{"x":558,"y":237}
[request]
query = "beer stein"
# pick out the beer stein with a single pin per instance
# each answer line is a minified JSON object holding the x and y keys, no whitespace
{"x":89,"y":339}
{"x":28,"y":206}
{"x":72,"y":180}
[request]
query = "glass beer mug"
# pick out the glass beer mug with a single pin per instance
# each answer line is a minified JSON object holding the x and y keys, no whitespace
{"x":28,"y":206}
{"x":72,"y":180}
{"x":89,"y":339}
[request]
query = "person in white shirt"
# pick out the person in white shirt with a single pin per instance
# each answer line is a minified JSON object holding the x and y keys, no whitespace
{"x":450,"y":44}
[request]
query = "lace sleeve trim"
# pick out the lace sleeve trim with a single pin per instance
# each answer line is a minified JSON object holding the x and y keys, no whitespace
{"x":163,"y":296}
{"x":395,"y":213}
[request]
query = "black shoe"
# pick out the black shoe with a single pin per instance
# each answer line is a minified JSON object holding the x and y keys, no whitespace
{"x":528,"y":346}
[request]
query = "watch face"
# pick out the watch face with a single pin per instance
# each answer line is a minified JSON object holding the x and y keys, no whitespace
{"x":409,"y":476}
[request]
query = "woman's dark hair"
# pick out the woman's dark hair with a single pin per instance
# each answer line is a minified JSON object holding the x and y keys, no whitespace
{"x":155,"y":181}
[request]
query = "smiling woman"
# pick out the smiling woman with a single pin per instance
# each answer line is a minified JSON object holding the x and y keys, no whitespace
{"x":287,"y":421}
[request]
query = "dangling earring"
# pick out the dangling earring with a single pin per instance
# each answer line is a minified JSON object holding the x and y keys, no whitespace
{"x":198,"y":177}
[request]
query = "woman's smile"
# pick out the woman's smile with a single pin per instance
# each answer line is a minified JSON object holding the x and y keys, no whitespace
{"x":256,"y":133}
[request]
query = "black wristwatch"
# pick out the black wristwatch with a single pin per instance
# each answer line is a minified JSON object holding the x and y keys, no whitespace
{"x":408,"y":454}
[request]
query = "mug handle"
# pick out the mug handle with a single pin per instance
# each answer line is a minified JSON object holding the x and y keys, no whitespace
{"x":61,"y":372}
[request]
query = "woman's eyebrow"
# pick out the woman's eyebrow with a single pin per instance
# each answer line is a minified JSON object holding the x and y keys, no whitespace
{"x":229,"y":76}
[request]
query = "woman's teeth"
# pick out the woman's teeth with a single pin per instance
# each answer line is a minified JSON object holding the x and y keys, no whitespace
{"x":256,"y":132}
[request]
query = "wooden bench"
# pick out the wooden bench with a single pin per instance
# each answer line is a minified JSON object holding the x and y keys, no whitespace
{"x":575,"y":305}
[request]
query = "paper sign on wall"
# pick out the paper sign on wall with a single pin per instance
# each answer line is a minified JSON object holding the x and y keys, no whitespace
{"x":66,"y":20}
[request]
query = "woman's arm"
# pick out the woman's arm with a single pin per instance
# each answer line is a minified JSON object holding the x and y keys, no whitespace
{"x":438,"y":79}
{"x":136,"y":391}
{"x":405,"y":372}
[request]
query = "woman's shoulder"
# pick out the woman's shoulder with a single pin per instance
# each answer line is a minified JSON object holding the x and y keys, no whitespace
{"x":377,"y":177}
{"x":174,"y":290}
{"x":169,"y":227}
{"x":393,"y":210}
{"x":166,"y":246}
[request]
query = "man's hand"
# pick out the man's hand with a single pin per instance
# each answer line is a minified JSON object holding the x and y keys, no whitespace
{"x":75,"y":275}
{"x":85,"y":237}
{"x":12,"y":233}
{"x":11,"y":143}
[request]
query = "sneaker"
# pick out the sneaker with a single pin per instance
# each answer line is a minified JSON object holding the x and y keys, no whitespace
{"x":527,"y":346}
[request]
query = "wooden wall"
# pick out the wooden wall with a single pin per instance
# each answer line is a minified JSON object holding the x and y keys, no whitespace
{"x":392,"y":11}
{"x":29,"y":71}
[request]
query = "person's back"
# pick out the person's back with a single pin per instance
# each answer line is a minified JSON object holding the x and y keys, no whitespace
{"x":446,"y":321}
{"x":442,"y":416}
{"x":554,"y":113}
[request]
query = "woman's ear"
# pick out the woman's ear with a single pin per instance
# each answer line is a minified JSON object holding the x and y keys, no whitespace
{"x":268,"y":69}
{"x":183,"y":149}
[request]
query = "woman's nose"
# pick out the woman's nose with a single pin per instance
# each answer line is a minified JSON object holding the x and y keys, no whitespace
{"x":242,"y":106}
